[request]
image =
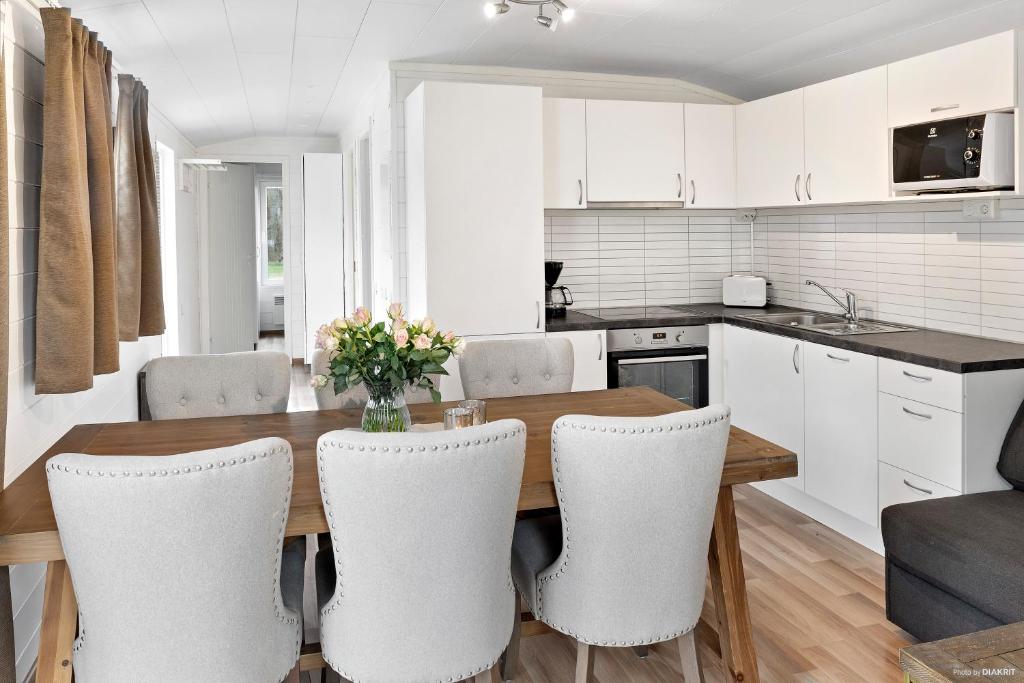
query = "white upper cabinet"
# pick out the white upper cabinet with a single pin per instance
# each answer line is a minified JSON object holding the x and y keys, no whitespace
{"x":770,"y":150}
{"x":710,"y":156}
{"x":965,"y":79}
{"x":476,"y":249}
{"x":565,"y":153}
{"x":634,"y":151}
{"x":846,"y":139}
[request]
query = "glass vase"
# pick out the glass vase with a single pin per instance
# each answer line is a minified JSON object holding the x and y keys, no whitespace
{"x":385,"y":410}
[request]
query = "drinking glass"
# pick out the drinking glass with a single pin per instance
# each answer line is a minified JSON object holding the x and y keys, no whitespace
{"x":457,"y":418}
{"x":479,"y":409}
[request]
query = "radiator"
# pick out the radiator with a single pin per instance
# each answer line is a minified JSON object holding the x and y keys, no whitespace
{"x":279,"y":309}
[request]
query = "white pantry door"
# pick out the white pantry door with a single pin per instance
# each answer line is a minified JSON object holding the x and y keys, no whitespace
{"x":231,"y":235}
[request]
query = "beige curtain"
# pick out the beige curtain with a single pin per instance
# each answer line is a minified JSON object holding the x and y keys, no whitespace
{"x":139,"y":279}
{"x":6,"y":617}
{"x":76,"y":302}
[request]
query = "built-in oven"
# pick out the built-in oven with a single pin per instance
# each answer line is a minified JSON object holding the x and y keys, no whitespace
{"x":672,"y":360}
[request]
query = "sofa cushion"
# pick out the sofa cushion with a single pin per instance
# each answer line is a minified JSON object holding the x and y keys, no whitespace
{"x":1011,"y":458}
{"x":970,"y":546}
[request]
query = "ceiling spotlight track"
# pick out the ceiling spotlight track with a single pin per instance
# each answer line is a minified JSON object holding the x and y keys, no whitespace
{"x":562,"y":11}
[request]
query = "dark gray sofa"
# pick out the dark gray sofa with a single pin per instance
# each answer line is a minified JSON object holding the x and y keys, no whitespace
{"x":956,"y":565}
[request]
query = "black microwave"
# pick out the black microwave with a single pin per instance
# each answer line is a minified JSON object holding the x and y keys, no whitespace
{"x":968,"y":153}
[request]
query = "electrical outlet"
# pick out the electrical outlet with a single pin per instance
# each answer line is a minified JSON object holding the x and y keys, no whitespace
{"x":981,"y":209}
{"x":746,"y":215}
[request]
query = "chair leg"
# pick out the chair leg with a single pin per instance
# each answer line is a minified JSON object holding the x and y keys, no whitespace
{"x":692,"y":673}
{"x":584,"y":662}
{"x":510,"y":659}
{"x":492,"y":675}
{"x":293,"y":675}
{"x":641,"y":651}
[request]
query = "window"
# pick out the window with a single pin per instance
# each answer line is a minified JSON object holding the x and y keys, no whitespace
{"x":272,"y":218}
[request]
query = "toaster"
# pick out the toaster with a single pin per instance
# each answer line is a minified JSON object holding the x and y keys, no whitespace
{"x":744,"y":290}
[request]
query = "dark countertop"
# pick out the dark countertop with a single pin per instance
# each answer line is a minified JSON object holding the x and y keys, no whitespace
{"x":948,"y":351}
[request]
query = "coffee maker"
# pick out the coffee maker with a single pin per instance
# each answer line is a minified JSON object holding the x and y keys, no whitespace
{"x":556,"y":297}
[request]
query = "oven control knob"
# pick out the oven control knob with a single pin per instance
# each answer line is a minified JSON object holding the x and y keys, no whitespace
{"x":974,"y":133}
{"x":679,"y":337}
{"x":971,"y":155}
{"x":637,"y":340}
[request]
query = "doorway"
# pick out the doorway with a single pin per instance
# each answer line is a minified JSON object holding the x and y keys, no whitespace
{"x":245,"y":264}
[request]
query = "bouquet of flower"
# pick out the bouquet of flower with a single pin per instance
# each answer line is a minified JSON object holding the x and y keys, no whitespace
{"x":385,"y":356}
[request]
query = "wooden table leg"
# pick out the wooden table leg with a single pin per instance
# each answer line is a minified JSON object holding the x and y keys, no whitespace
{"x":726,"y":569}
{"x":60,"y":619}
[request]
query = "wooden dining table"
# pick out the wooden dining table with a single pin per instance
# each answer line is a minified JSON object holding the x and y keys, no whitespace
{"x":28,"y":530}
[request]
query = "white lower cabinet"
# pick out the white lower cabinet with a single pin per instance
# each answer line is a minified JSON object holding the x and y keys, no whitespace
{"x":899,"y":486}
{"x":841,"y":430}
{"x":590,"y":360}
{"x":764,"y":387}
{"x":922,"y":439}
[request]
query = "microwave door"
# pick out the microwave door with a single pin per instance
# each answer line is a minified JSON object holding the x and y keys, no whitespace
{"x":932,"y":151}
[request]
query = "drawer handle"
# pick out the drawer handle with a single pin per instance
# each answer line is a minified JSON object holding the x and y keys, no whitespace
{"x":923,"y":416}
{"x":918,"y":488}
{"x":919,"y":378}
{"x":838,"y":358}
{"x":945,"y":107}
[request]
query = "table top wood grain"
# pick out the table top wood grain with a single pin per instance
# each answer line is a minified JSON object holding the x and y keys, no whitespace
{"x":28,"y":529}
{"x":995,"y":654}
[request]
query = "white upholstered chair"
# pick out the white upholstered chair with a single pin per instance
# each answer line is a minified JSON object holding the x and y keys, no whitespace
{"x":247,"y":383}
{"x":625,"y":562}
{"x":492,"y":369}
{"x":177,"y":564}
{"x":418,"y":587}
{"x":355,"y":397}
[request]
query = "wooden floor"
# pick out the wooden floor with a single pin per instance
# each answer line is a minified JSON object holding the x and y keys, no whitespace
{"x":817,"y":602}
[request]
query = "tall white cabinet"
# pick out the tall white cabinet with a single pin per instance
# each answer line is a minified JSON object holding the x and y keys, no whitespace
{"x":475,"y":221}
{"x":565,"y":153}
{"x":635,"y":151}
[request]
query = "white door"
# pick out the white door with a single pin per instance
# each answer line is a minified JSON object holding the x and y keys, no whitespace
{"x":634,"y":151}
{"x":590,"y":360}
{"x":475,"y":206}
{"x":770,"y":150}
{"x":324,"y":240}
{"x":565,"y":153}
{"x":970,"y":78}
{"x":846,"y":139}
{"x":710,"y":156}
{"x":232,"y":272}
{"x":764,"y":387}
{"x":841,"y":437}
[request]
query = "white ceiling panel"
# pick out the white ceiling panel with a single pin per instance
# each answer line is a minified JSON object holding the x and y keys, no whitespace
{"x":224,"y":69}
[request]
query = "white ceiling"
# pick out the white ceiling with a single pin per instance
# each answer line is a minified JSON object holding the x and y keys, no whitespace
{"x":228,"y":69}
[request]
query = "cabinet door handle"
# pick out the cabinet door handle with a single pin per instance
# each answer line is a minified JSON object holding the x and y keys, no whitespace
{"x":538,"y":315}
{"x":807,"y":187}
{"x":838,"y":358}
{"x":923,"y":416}
{"x":679,"y":179}
{"x":600,"y":345}
{"x":796,"y":187}
{"x":945,"y":107}
{"x":796,"y":354}
{"x":580,"y":201}
{"x":918,"y":488}
{"x":919,"y":378}
{"x":693,"y":192}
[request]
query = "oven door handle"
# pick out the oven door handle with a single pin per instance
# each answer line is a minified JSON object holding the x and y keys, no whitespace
{"x":663,"y":359}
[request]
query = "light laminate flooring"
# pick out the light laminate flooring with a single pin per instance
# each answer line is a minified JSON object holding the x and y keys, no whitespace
{"x":817,"y":603}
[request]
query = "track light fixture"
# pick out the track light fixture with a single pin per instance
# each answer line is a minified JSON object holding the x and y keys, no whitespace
{"x":562,"y":11}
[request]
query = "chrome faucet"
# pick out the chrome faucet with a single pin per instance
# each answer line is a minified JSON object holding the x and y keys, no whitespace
{"x":850,"y":307}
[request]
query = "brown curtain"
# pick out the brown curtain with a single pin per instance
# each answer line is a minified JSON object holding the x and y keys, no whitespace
{"x":6,"y":616}
{"x":65,"y":331}
{"x":139,"y":280}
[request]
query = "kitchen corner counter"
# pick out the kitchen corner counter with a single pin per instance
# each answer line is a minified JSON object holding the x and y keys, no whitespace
{"x":948,"y":351}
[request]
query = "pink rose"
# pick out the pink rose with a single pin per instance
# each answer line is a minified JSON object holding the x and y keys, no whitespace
{"x":323,"y":333}
{"x":340,"y":324}
{"x":361,"y":316}
{"x":402,"y":337}
{"x":428,"y":326}
{"x":395,"y":311}
{"x":399,"y":324}
{"x":449,"y":337}
{"x":422,"y":342}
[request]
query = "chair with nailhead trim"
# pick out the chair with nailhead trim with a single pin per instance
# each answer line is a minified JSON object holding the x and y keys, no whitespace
{"x":418,"y":586}
{"x":355,"y":397}
{"x":522,"y":367}
{"x":177,"y":564}
{"x":215,"y":385}
{"x":625,"y":561}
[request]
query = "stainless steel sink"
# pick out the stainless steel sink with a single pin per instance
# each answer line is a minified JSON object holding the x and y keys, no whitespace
{"x":826,"y":323}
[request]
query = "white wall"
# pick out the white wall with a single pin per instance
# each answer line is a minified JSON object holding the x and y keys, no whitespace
{"x":35,"y":422}
{"x":287,"y":151}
